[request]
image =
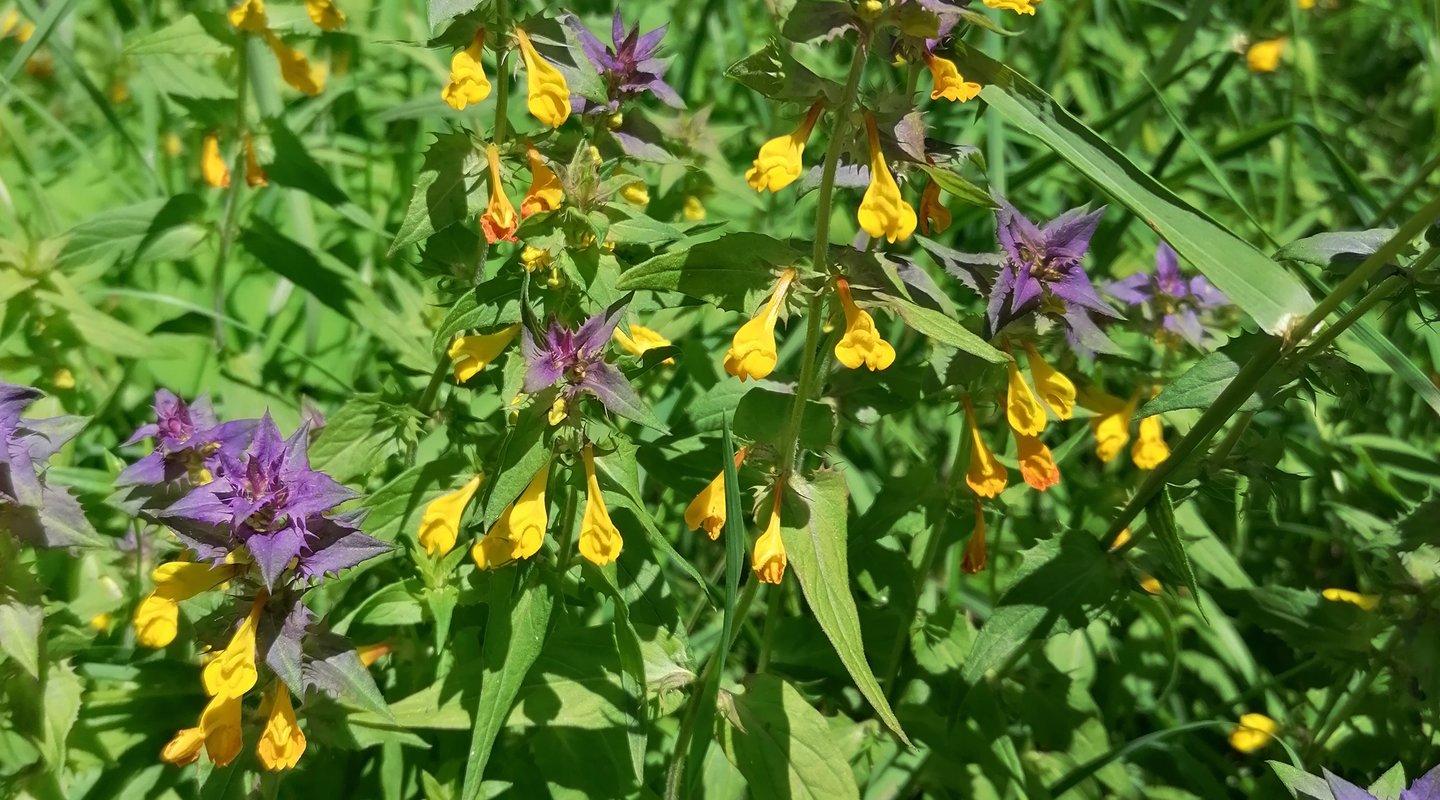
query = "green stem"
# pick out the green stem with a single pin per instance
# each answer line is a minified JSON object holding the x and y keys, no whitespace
{"x":502,"y":73}
{"x":232,"y":194}
{"x":1266,"y":358}
{"x":1381,"y":290}
{"x":767,"y":634}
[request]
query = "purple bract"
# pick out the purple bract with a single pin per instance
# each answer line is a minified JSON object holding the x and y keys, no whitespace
{"x":576,"y":360}
{"x":1176,"y":302}
{"x":35,"y":511}
{"x":629,"y":65}
{"x":189,"y":443}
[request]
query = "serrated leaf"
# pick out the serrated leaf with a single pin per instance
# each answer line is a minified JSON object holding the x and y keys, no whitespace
{"x":1199,"y":386}
{"x":20,"y":635}
{"x":356,"y":439}
{"x":447,"y":190}
{"x":730,"y":271}
{"x":783,"y":746}
{"x":942,"y":329}
{"x":773,"y":72}
{"x":1161,"y":514}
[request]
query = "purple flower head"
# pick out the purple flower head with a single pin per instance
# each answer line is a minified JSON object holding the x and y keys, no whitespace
{"x":1426,"y":787}
{"x":1166,"y":294}
{"x":1041,"y":273}
{"x":35,"y":511}
{"x":629,"y":65}
{"x":268,"y":504}
{"x":190,"y":444}
{"x":576,"y":360}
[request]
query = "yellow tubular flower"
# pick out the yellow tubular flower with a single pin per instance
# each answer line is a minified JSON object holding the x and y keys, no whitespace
{"x":558,"y":411}
{"x":545,"y":192}
{"x":768,"y":560}
{"x":233,"y":672}
{"x":1365,"y":602}
{"x":467,"y":83}
{"x":883,"y":212}
{"x":281,"y":742}
{"x":184,"y":748}
{"x":1023,"y":411}
{"x":520,"y":530}
{"x":220,"y":723}
{"x":1037,"y":464}
{"x":1111,"y":423}
{"x":639,"y":340}
{"x":600,"y":541}
{"x":370,"y":653}
{"x":249,"y":16}
{"x":254,"y":173}
{"x":636,"y":194}
{"x":212,"y":164}
{"x":934,"y":216}
{"x":975,"y":557}
{"x":498,"y":222}
{"x":1150,"y":584}
{"x":440,"y":524}
{"x":295,"y":67}
{"x":1264,"y":56}
{"x":985,"y":476}
{"x":752,"y":352}
{"x":707,"y":510}
{"x":549,"y":94}
{"x":1056,"y":390}
{"x":325,"y":14}
{"x":1018,"y":6}
{"x":1150,"y":448}
{"x":778,"y":164}
{"x":861,"y":344}
{"x":948,"y":83}
{"x":470,"y":354}
{"x":1305,"y":5}
{"x":1253,"y":732}
{"x":158,"y":616}
{"x":692,"y":210}
{"x":1121,"y":539}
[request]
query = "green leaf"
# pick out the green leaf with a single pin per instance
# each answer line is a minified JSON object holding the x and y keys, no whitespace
{"x":20,"y":635}
{"x":184,"y":37}
{"x":632,"y":665}
{"x":959,"y":188}
{"x":1303,"y":619}
{"x":730,"y":272}
{"x":1063,"y":583}
{"x":1161,"y":513}
{"x":61,"y":698}
{"x":1256,"y":284}
{"x":818,"y":19}
{"x":773,"y":72}
{"x":942,"y":329}
{"x":817,"y":551}
{"x":1336,"y":249}
{"x":783,"y":746}
{"x":522,"y":453}
{"x":1301,"y":782}
{"x":1390,"y":785}
{"x":357,"y":438}
{"x":154,"y":230}
{"x":762,"y":412}
{"x":519,"y":616}
{"x":1199,"y":386}
{"x":448,"y":189}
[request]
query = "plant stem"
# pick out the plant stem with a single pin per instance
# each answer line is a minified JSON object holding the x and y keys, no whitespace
{"x":232,"y":194}
{"x":1381,"y":290}
{"x":773,"y":595}
{"x":502,"y":74}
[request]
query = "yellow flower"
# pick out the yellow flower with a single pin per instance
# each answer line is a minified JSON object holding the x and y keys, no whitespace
{"x":558,"y":411}
{"x":1253,"y":732}
{"x":100,"y":623}
{"x":1305,"y":5}
{"x":249,"y":15}
{"x":1111,"y":423}
{"x":1365,"y":602}
{"x":1264,"y":56}
{"x":1121,"y":539}
{"x":692,"y":210}
{"x":295,"y":67}
{"x":212,"y":164}
{"x":1150,"y":448}
{"x":233,"y":672}
{"x":1056,"y":390}
{"x":778,"y":164}
{"x":707,"y":510}
{"x":325,"y":14}
{"x":63,"y":379}
{"x":220,"y":722}
{"x":934,"y":216}
{"x":158,"y":616}
{"x":545,"y":192}
{"x":184,"y":747}
{"x":254,"y":173}
{"x":172,"y":144}
{"x":948,"y":83}
{"x":883,"y":212}
{"x":498,"y":222}
{"x":549,"y":94}
{"x":1018,"y":6}
{"x":520,"y":530}
{"x":370,"y":653}
{"x":975,"y":556}
{"x":600,"y":541}
{"x":281,"y":742}
{"x":861,"y":344}
{"x":467,"y":83}
{"x":636,"y":194}
{"x":440,"y":524}
{"x":752,"y":352}
{"x":1151,"y":584}
{"x":640,"y":339}
{"x":1022,"y":410}
{"x":985,"y":476}
{"x":1037,"y":464}
{"x":768,"y":560}
{"x":470,"y":354}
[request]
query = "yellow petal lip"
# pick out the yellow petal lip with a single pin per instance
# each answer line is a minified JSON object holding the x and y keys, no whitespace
{"x":948,"y":83}
{"x":184,"y":748}
{"x":1253,"y":732}
{"x":520,"y":530}
{"x":325,"y":14}
{"x":778,"y":164}
{"x":1056,"y":390}
{"x":1022,"y":410}
{"x":752,"y":353}
{"x":1037,"y":463}
{"x":548,"y":93}
{"x":467,"y":83}
{"x":212,"y":165}
{"x":440,"y":523}
{"x":1264,"y":56}
{"x":295,"y":68}
{"x":985,"y":475}
{"x":1018,"y":6}
{"x":499,"y":221}
{"x":861,"y":345}
{"x":707,"y":510}
{"x":545,"y":192}
{"x":1150,"y":448}
{"x":220,"y":723}
{"x":281,"y":742}
{"x":471,"y":354}
{"x":768,"y":561}
{"x":234,"y":672}
{"x":883,"y":213}
{"x":249,"y":16}
{"x":600,"y":542}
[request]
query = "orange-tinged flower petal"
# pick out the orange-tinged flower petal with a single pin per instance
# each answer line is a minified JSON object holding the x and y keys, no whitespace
{"x":295,"y":68}
{"x":1264,"y":56}
{"x":948,"y":83}
{"x":545,"y":192}
{"x":499,"y":221}
{"x":1253,"y":732}
{"x":1037,"y":464}
{"x":184,"y":747}
{"x":249,"y":16}
{"x":325,"y":14}
{"x":934,"y":216}
{"x":255,"y":176}
{"x":212,"y":165}
{"x":975,"y":556}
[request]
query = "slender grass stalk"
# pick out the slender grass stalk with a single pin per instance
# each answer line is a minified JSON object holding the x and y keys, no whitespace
{"x":232,"y":194}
